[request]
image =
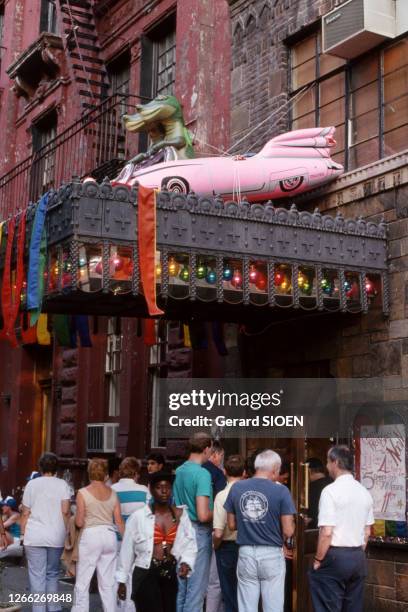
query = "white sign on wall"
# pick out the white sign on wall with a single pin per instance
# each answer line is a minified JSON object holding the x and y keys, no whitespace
{"x":383,"y":470}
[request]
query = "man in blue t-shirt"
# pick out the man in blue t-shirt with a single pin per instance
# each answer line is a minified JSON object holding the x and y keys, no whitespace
{"x":262,"y":511}
{"x":192,"y":488}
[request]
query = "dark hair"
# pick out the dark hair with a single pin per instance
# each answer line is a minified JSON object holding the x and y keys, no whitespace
{"x":129,"y":467}
{"x":234,"y":466}
{"x":344,"y":457}
{"x":48,"y":463}
{"x":160,"y":477}
{"x":198,"y":443}
{"x":158,"y":457}
{"x":217,"y":447}
{"x":113,"y":464}
{"x":315,"y":465}
{"x":285,"y":468}
{"x":250,"y":462}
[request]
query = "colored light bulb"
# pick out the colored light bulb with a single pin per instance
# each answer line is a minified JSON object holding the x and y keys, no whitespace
{"x":253,"y":274}
{"x":370,"y":288}
{"x":227,"y":273}
{"x":261,"y":282}
{"x":82,"y":261}
{"x":301,"y":280}
{"x":184,"y":274}
{"x":279,"y":278}
{"x":117,"y":263}
{"x":237,"y":279}
{"x":173,"y":267}
{"x":158,"y":270}
{"x":201,"y":271}
{"x":211,"y":277}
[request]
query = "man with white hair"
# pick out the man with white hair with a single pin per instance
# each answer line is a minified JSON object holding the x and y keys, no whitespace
{"x":261,"y":510}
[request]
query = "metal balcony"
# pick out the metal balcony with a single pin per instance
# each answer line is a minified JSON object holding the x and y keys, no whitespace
{"x":96,"y":145}
{"x":215,"y":259}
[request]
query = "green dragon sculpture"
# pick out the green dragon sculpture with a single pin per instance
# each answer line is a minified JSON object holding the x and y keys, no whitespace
{"x":163,"y":120}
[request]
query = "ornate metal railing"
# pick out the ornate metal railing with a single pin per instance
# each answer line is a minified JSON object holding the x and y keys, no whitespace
{"x":97,"y":145}
{"x":212,"y":255}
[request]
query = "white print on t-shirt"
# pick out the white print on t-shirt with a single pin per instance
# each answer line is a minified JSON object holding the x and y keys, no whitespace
{"x":253,"y":505}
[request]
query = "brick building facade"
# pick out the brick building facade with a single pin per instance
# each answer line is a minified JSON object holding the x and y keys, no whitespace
{"x":244,"y":73}
{"x":274,"y":47}
{"x":69,"y":70}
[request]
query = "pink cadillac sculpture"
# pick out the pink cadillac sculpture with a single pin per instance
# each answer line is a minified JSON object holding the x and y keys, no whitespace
{"x":288,"y":165}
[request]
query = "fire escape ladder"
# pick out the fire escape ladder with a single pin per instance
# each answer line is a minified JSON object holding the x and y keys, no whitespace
{"x":83,"y":51}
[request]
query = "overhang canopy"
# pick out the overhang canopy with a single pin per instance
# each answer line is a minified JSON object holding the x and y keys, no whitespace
{"x":215,"y":259}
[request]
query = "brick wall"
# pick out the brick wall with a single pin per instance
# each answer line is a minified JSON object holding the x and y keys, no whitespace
{"x":260,"y":64}
{"x":359,"y":346}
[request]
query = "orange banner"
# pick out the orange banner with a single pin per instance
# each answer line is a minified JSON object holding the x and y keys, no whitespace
{"x":147,"y":246}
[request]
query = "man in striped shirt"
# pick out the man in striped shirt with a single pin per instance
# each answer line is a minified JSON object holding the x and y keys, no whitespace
{"x":132,"y":496}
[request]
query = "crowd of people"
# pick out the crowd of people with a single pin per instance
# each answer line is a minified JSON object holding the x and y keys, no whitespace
{"x":219,"y":532}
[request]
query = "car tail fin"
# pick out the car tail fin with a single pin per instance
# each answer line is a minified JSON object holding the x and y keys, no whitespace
{"x":319,"y":138}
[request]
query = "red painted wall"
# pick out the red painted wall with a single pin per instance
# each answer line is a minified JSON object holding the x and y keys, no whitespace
{"x":78,"y":378}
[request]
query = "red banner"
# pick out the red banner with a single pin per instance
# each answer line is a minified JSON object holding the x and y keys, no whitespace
{"x":147,"y":246}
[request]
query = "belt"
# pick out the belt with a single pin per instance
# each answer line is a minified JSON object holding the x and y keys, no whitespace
{"x":348,"y":548}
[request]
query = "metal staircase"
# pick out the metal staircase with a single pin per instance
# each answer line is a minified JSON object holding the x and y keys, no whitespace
{"x":84,"y":52}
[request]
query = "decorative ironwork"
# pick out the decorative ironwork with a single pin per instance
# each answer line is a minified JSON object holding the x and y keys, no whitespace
{"x":214,"y":257}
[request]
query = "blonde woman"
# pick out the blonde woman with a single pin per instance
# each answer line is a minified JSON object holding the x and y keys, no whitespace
{"x":98,"y":511}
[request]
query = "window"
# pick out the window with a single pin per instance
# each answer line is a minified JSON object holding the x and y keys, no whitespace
{"x":165,"y":64}
{"x":158,"y":65}
{"x":113,"y":366}
{"x":48,"y":17}
{"x":119,"y":73}
{"x":159,"y":60}
{"x":42,"y":173}
{"x":366,"y":100}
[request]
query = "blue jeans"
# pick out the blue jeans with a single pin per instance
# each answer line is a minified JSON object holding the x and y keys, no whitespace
{"x":43,"y":573}
{"x":191,"y":592}
{"x":261,"y":571}
{"x":227,"y":560}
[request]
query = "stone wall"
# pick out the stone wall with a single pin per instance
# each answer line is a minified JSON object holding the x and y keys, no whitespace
{"x":260,"y":65}
{"x":336,"y":345}
{"x":387,"y":582}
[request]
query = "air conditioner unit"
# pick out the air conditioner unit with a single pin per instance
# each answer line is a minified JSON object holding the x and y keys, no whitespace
{"x":359,"y":25}
{"x":101,"y":437}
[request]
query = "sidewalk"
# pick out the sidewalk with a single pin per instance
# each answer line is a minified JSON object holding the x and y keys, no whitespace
{"x":14,"y":580}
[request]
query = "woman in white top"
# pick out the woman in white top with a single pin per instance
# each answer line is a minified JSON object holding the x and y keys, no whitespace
{"x":98,"y":510}
{"x":157,"y":540}
{"x":43,"y":527}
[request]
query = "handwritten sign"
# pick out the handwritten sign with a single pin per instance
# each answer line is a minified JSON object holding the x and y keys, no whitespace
{"x":383,"y":470}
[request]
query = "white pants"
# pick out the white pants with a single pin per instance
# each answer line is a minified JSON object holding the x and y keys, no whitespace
{"x":214,"y":601}
{"x":127,"y":605}
{"x":97,"y":550}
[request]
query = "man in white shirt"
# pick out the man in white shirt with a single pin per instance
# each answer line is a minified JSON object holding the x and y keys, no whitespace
{"x":345,"y":519}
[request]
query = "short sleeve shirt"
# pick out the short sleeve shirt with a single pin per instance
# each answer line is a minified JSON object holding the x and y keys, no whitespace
{"x":346,"y":506}
{"x":220,"y":514}
{"x":192,"y":481}
{"x":45,"y":525}
{"x":258,"y":504}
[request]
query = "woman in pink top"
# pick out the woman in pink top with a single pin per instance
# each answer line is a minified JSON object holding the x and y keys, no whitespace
{"x":98,"y":511}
